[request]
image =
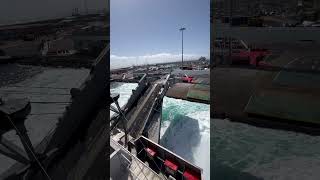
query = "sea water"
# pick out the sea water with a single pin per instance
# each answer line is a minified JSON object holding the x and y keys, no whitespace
{"x":185,"y":130}
{"x":242,"y":151}
{"x":125,"y":91}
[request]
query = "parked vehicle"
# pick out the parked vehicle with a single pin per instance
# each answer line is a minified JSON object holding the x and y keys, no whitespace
{"x":187,"y":79}
{"x":240,"y":53}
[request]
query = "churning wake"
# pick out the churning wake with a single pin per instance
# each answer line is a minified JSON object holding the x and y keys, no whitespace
{"x":185,"y":130}
{"x":125,"y":91}
{"x":246,"y":152}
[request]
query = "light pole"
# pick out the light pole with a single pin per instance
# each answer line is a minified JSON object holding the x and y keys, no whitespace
{"x":182,"y":29}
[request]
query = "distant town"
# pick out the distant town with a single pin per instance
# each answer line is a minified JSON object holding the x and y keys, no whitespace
{"x":266,"y":13}
{"x":78,"y":38}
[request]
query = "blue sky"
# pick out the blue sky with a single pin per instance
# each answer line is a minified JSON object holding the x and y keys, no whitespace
{"x":148,"y":30}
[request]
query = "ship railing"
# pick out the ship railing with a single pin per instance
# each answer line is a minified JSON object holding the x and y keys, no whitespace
{"x":163,"y":160}
{"x":121,"y":159}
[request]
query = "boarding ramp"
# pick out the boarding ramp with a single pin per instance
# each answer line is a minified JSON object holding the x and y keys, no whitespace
{"x":136,"y":94}
{"x":147,"y":110}
{"x":142,"y":113}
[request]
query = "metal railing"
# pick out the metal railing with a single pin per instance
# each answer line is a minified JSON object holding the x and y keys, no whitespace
{"x":133,"y":158}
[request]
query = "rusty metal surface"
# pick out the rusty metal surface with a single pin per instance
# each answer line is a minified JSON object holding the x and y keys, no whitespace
{"x":231,"y":90}
{"x":202,"y":80}
{"x":233,"y":87}
{"x":288,"y":105}
{"x":288,"y":95}
{"x":179,"y":90}
{"x":191,"y":92}
{"x":199,"y":92}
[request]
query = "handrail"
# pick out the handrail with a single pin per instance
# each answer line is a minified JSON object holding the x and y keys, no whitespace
{"x":132,"y":156}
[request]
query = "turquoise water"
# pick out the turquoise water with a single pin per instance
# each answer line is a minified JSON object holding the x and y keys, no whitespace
{"x":241,"y":151}
{"x":125,"y":91}
{"x":185,"y":130}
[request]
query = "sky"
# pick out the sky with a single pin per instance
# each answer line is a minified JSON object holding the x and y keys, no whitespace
{"x":147,"y":31}
{"x":15,"y":11}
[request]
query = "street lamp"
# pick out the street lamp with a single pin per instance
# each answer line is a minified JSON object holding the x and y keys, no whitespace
{"x":182,"y":29}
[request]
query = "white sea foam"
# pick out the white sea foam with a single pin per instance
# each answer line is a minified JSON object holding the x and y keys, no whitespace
{"x":125,"y":91}
{"x":265,"y":153}
{"x":185,"y":130}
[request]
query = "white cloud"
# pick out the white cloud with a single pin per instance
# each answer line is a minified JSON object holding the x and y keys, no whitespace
{"x":126,"y":61}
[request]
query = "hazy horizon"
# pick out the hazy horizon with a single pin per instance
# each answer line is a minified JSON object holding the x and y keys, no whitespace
{"x":147,"y":31}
